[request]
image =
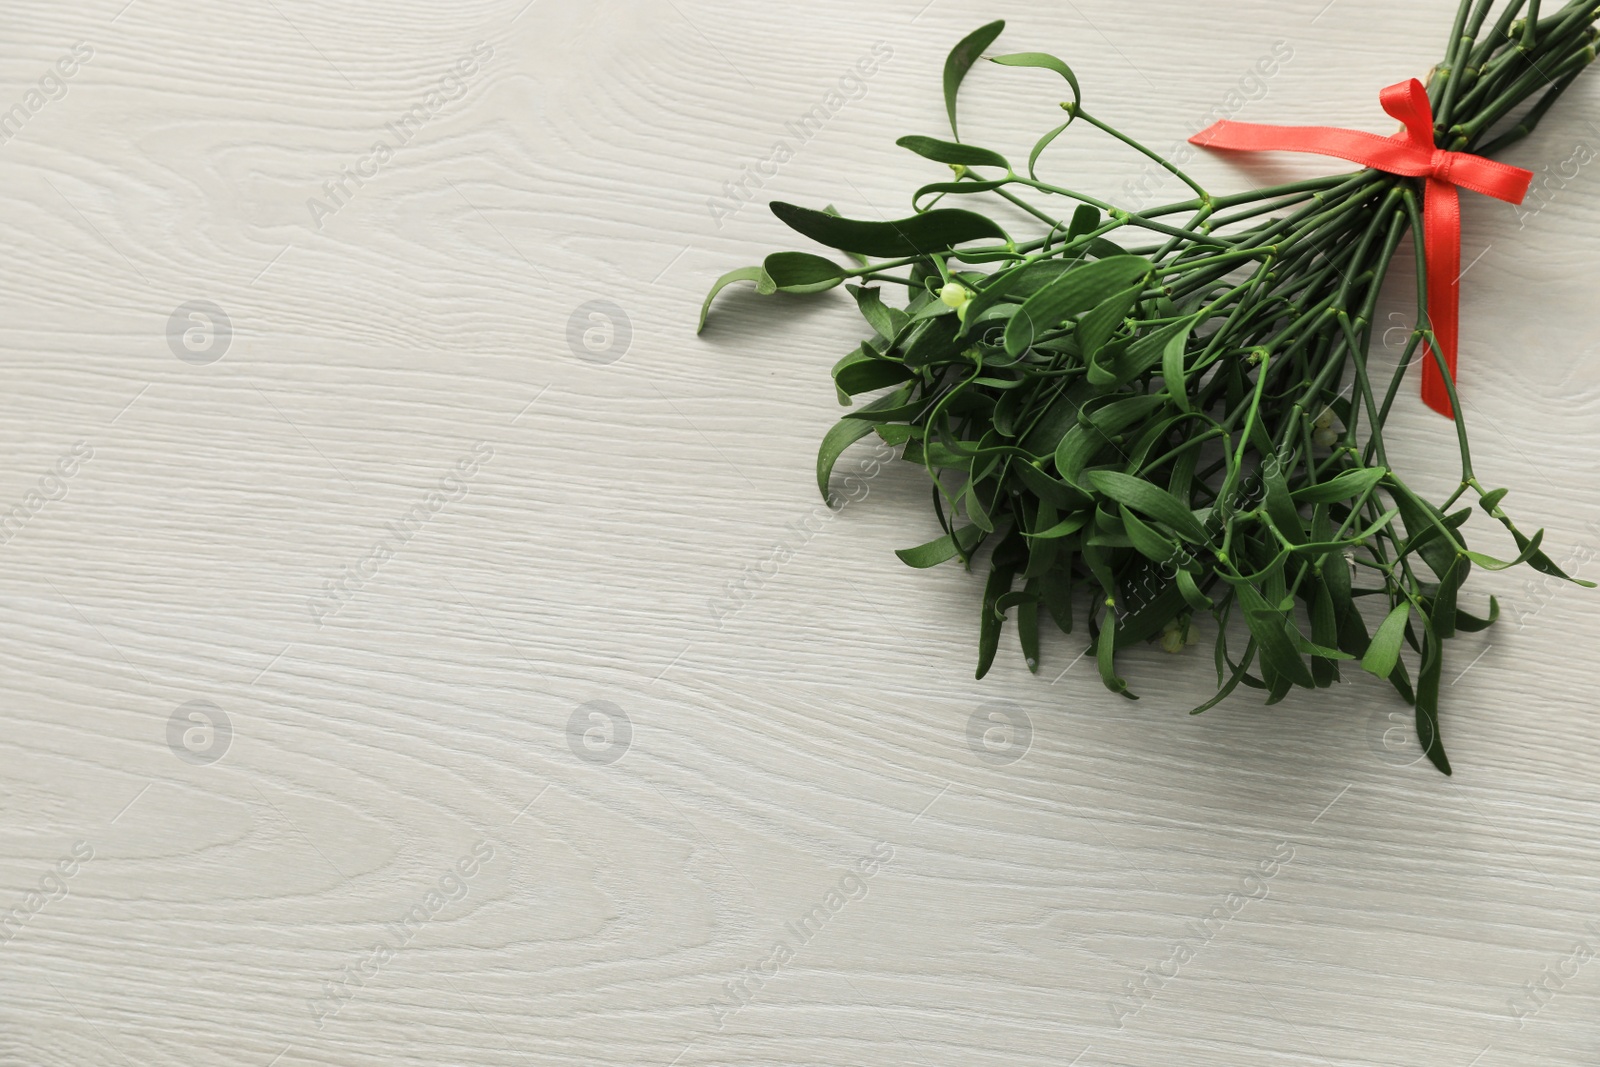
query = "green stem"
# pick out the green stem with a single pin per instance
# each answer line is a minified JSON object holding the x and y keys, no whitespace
{"x":1204,"y":196}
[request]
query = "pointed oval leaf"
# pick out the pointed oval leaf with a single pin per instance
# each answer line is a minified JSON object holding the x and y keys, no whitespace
{"x":931,"y":231}
{"x":960,"y":60}
{"x":866,"y":373}
{"x":1383,"y":652}
{"x":1105,"y":656}
{"x":1066,"y":527}
{"x":1173,"y":375}
{"x":965,"y":188}
{"x":1096,"y":328}
{"x":1041,"y":144}
{"x":1147,"y":541}
{"x":1190,"y":591}
{"x":940,"y":549}
{"x":1343,"y":487}
{"x":1072,"y":293}
{"x":844,"y":434}
{"x":1281,"y":665}
{"x":1028,"y":624}
{"x":764,"y":286}
{"x":1085,"y":217}
{"x":1150,"y":499}
{"x":802,"y":272}
{"x":1471,"y":624}
{"x":1427,"y":703}
{"x":999,"y":584}
{"x":953,"y":152}
{"x":879,"y":317}
{"x":1048,"y":62}
{"x":847,"y":432}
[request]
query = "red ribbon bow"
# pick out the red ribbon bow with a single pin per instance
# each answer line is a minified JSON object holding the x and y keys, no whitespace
{"x":1411,"y":153}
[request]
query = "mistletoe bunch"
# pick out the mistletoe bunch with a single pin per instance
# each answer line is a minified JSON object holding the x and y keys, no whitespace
{"x":1147,"y":417}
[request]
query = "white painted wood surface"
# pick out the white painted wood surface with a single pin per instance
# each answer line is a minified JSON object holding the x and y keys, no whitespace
{"x":416,"y":752}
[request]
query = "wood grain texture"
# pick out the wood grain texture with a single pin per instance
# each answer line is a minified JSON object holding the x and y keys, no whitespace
{"x":798,"y":754}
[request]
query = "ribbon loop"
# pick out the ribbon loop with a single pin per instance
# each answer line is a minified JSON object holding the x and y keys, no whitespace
{"x":1411,"y":153}
{"x":1407,"y":102}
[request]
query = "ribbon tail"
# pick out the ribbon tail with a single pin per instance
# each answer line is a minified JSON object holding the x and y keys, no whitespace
{"x":1441,"y":223}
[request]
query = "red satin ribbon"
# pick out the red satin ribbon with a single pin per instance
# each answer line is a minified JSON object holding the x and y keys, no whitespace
{"x":1411,"y":153}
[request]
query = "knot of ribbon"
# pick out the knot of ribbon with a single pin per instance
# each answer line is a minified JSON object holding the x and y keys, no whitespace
{"x":1410,"y":153}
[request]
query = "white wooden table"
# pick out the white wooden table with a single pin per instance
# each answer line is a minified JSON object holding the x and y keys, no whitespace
{"x":401,"y":665}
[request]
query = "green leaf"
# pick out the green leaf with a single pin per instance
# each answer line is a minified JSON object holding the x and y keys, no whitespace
{"x":931,"y":231}
{"x":1072,"y":293}
{"x":940,"y":549}
{"x":902,"y":413}
{"x":1427,"y":703}
{"x":1311,"y":648}
{"x":1471,"y":624}
{"x":1125,"y":361}
{"x":1042,"y":554}
{"x":857,"y":257}
{"x":1079,"y":444}
{"x":1096,"y":328}
{"x":1048,"y":62}
{"x":1085,"y":217}
{"x":844,"y":434}
{"x":1442,"y":610}
{"x":1028,"y":624}
{"x":895,"y":435}
{"x":1098,"y":561}
{"x":960,"y":60}
{"x":1100,"y":248}
{"x":1105,"y":655}
{"x":1017,"y":283}
{"x":1346,"y":486}
{"x":1280,"y":507}
{"x":937,"y":455}
{"x":1324,"y":547}
{"x":953,"y":152}
{"x":1530,"y":549}
{"x":867,"y":373}
{"x":933,"y":339}
{"x":1146,"y":540}
{"x":1109,"y":531}
{"x":1190,"y":591}
{"x":1325,"y":632}
{"x":1281,"y":664}
{"x":1383,"y":652}
{"x":1240,"y":673}
{"x":976,"y":511}
{"x":1538,"y":560}
{"x":1056,"y":492}
{"x":1041,"y":144}
{"x":847,"y":432}
{"x":1172,"y":371}
{"x":931,"y":309}
{"x":1150,"y":499}
{"x":1058,"y":595}
{"x":879,"y":317}
{"x":1424,"y":527}
{"x":802,"y":272}
{"x":1066,"y":527}
{"x":764,"y":286}
{"x":1001,"y":575}
{"x":961,"y":188}
{"x":1008,"y":409}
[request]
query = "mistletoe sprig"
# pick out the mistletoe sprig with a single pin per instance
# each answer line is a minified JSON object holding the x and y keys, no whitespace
{"x":1149,"y":417}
